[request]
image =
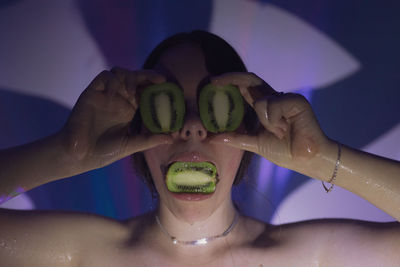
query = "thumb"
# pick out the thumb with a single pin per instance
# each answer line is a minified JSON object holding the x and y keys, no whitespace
{"x":240,"y":141}
{"x":139,"y":143}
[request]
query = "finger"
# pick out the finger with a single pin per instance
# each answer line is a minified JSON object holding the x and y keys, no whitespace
{"x":250,"y":85}
{"x":138,"y":80}
{"x":149,"y":76}
{"x":107,"y":82}
{"x":143,"y":142}
{"x":270,"y":116}
{"x":120,"y":73}
{"x":99,"y":82}
{"x":131,"y":84}
{"x":258,"y":92}
{"x":132,"y":79}
{"x":277,"y":112}
{"x":128,"y":79}
{"x":240,"y":141}
{"x":113,"y":84}
{"x":242,"y":80}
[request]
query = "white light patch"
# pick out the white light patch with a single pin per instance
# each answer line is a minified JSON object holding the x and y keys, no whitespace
{"x":283,"y":49}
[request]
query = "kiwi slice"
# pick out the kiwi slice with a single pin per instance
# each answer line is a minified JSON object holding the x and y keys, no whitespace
{"x":192,"y":177}
{"x":162,"y":107}
{"x":221,"y":108}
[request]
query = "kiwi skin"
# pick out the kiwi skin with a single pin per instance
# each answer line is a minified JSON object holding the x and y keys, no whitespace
{"x":206,"y":108}
{"x":147,"y":105}
{"x":192,"y":177}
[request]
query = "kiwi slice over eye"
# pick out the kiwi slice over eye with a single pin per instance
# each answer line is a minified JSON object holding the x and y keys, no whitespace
{"x":162,"y":107}
{"x":192,"y":177}
{"x":221,"y":108}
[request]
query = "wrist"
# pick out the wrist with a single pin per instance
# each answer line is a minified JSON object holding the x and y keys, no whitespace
{"x":65,"y":161}
{"x":322,"y":165}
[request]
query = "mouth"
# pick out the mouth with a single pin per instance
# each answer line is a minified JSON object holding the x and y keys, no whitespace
{"x":190,"y":176}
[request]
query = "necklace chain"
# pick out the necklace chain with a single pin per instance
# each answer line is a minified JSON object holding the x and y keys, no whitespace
{"x":201,"y":241}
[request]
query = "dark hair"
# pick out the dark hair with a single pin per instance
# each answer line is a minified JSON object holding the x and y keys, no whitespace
{"x":220,"y":58}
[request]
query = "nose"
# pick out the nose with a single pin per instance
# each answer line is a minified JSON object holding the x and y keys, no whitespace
{"x":193,"y":128}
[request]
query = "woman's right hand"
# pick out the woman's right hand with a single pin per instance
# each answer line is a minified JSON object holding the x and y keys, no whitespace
{"x":97,"y":131}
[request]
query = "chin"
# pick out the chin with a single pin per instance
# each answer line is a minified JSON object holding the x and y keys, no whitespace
{"x":195,"y":210}
{"x":190,"y":211}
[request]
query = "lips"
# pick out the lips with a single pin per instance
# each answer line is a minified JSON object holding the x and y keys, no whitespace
{"x":191,"y":197}
{"x":190,"y":157}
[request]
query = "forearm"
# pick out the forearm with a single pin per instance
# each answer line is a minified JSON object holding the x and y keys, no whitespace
{"x":373,"y":178}
{"x":28,"y":166}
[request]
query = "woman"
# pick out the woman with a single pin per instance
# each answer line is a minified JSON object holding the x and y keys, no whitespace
{"x":193,"y":229}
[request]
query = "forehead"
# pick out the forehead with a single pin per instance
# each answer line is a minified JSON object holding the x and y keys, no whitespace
{"x":184,"y":64}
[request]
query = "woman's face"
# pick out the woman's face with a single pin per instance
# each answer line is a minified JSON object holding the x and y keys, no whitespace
{"x":185,"y":65}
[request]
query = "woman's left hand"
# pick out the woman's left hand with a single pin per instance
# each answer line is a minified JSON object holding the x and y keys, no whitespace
{"x":290,"y":135}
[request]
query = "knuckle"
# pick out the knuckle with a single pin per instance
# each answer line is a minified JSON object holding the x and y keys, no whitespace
{"x":103,"y":77}
{"x":252,"y":75}
{"x":103,"y":74}
{"x":301,"y":100}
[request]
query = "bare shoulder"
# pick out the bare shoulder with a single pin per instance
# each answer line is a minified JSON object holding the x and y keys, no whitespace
{"x":340,"y":242}
{"x":52,"y":238}
{"x":347,"y":242}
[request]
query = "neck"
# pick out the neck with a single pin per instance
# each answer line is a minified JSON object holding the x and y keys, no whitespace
{"x":201,"y":223}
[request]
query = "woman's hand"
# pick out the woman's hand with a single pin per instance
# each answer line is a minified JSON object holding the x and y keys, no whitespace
{"x":97,"y":132}
{"x":290,"y":135}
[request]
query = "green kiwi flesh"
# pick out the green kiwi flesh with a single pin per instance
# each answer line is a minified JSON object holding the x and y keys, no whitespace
{"x":221,"y":108}
{"x":162,"y":107}
{"x":192,"y":177}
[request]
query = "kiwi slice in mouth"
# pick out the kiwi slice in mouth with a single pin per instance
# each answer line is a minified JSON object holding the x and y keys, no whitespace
{"x":192,"y":177}
{"x":221,"y":108}
{"x":162,"y":108}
